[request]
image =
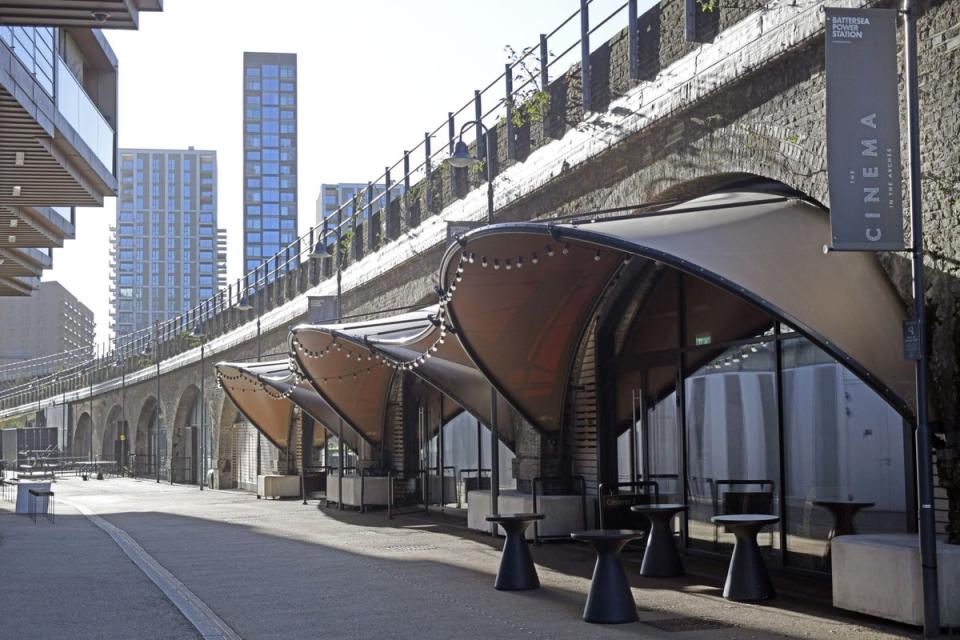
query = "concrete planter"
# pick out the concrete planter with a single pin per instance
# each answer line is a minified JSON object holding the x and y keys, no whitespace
{"x":563,"y":513}
{"x":275,"y":486}
{"x":880,"y":575}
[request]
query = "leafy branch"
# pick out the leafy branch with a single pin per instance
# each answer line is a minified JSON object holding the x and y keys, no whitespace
{"x":531,"y":101}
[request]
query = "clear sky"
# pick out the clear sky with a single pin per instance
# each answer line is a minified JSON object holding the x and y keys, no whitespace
{"x":374,"y":75}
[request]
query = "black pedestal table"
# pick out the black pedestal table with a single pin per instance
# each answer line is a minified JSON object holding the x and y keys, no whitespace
{"x":661,"y":559}
{"x":610,"y":600}
{"x":747,"y":577}
{"x":843,"y":512}
{"x":517,"y":571}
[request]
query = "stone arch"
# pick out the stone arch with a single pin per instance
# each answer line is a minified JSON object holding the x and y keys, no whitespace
{"x":112,"y":445}
{"x":82,"y":437}
{"x":145,"y":448}
{"x":731,"y":181}
{"x":225,"y":456}
{"x":185,"y":443}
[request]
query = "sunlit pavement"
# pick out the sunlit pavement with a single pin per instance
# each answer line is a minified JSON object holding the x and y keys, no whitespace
{"x":279,"y":569}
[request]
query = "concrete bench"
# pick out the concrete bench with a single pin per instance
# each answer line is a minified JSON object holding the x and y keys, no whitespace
{"x":879,"y":574}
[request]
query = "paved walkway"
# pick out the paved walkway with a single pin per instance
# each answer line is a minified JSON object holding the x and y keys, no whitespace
{"x":278,"y":569}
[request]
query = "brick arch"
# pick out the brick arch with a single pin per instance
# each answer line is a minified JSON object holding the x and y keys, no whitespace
{"x":184,"y":450}
{"x":145,"y":443}
{"x":80,"y":447}
{"x":111,"y":447}
{"x":729,"y":181}
{"x":225,"y":416}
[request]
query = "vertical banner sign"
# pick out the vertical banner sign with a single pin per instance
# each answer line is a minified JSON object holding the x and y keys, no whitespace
{"x":863,"y":130}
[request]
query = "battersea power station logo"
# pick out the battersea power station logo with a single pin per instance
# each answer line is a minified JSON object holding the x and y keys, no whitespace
{"x":863,"y":130}
{"x":847,"y":27}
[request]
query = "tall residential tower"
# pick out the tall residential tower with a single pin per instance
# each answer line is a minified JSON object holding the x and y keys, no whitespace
{"x":270,"y":155}
{"x":168,"y":254}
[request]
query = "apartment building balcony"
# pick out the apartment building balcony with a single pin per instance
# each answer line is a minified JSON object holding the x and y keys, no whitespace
{"x":23,"y":261}
{"x":18,"y":286}
{"x":35,"y":226}
{"x":58,"y":97}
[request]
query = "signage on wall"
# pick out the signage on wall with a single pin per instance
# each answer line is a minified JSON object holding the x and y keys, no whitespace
{"x":702,"y":339}
{"x":863,"y":130}
{"x":911,"y":340}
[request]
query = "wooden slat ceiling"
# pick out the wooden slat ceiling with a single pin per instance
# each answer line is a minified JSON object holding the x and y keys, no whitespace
{"x":43,"y":180}
{"x":93,"y":14}
{"x":14,"y":263}
{"x":15,"y":287}
{"x":29,"y":229}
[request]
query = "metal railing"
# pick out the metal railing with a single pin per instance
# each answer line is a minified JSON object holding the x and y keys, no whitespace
{"x":313,"y":256}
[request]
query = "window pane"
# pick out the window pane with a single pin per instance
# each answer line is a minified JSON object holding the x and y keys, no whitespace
{"x":732,"y":441}
{"x":842,"y":442}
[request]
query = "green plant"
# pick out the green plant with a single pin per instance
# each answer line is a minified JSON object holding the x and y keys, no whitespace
{"x":531,"y":101}
{"x":707,"y":6}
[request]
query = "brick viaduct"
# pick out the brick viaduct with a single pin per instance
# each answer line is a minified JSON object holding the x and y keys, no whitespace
{"x":748,"y":97}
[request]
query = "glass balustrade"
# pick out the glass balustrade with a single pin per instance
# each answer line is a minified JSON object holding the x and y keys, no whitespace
{"x":76,"y":106}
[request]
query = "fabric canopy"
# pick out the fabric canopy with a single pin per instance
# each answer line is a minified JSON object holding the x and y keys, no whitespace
{"x":352,"y":365}
{"x":266,"y":392}
{"x":529,"y":290}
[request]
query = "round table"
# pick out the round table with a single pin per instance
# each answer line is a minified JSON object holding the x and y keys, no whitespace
{"x":610,"y":600}
{"x":843,"y":512}
{"x":747,"y":577}
{"x":661,"y":559}
{"x":517,"y":571}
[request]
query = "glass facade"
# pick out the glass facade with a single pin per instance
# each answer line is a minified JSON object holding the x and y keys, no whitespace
{"x":168,"y":254}
{"x":33,"y":46}
{"x":270,"y":155}
{"x":333,"y":196}
{"x":745,"y":415}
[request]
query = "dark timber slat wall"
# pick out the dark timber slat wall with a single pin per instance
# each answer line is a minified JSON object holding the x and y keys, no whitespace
{"x":396,"y":426}
{"x":584,"y":445}
{"x":940,"y":505}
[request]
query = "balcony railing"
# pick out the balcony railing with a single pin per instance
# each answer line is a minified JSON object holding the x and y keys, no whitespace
{"x":78,"y":109}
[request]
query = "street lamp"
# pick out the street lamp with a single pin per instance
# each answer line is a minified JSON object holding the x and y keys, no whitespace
{"x":199,"y":333}
{"x":319,"y":251}
{"x":123,"y":403}
{"x":146,"y":352}
{"x":459,"y":159}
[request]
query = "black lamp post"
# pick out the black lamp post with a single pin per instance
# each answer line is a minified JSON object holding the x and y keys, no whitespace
{"x":199,"y":333}
{"x":319,"y":251}
{"x":461,"y":158}
{"x":146,"y":351}
{"x":121,"y":364}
